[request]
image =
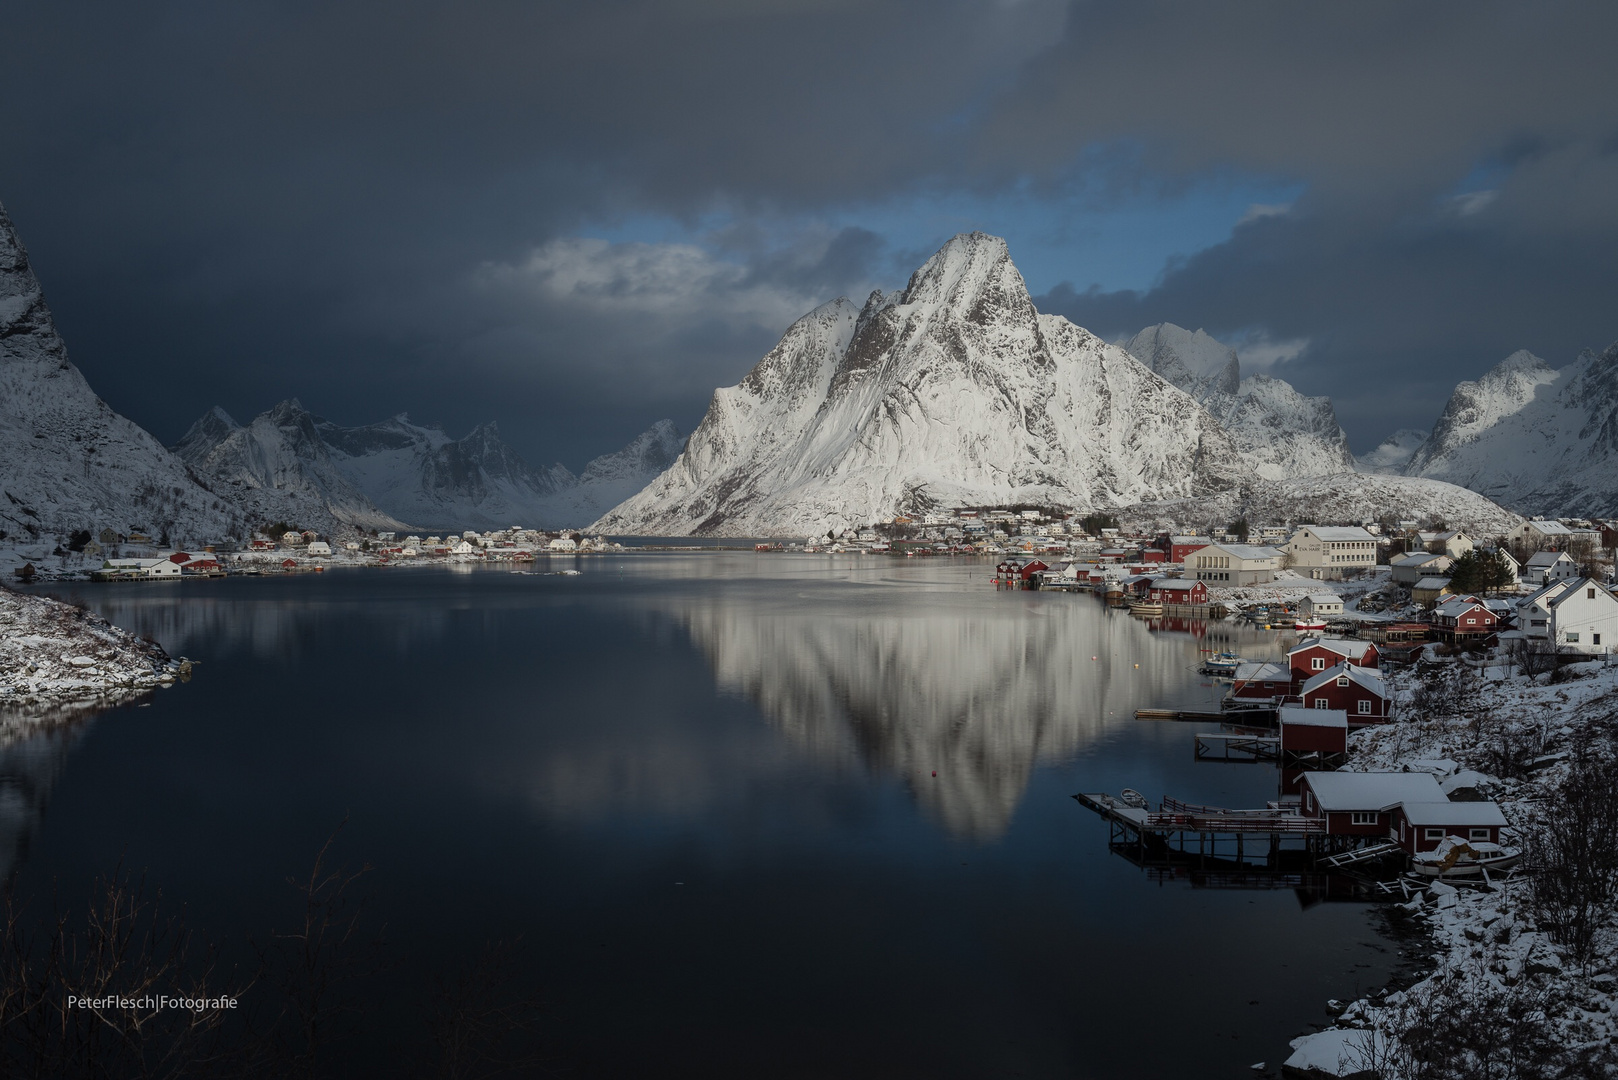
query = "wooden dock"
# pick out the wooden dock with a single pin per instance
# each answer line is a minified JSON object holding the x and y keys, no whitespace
{"x":1234,"y":747}
{"x":1208,"y":831}
{"x":1179,"y":714}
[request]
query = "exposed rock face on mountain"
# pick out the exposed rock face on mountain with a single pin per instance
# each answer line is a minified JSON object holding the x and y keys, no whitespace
{"x":279,"y":468}
{"x":954,"y":391}
{"x":1392,"y":455}
{"x":67,"y":461}
{"x":1538,"y":439}
{"x":292,"y":464}
{"x":1281,"y":433}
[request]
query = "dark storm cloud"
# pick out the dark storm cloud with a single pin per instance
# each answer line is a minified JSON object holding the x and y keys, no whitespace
{"x":377,"y":207}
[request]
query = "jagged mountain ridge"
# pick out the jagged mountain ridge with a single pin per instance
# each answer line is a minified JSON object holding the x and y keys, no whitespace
{"x":67,"y":460}
{"x":1539,"y":439}
{"x":953,"y":391}
{"x":279,"y":467}
{"x":396,"y":474}
{"x":1281,"y":433}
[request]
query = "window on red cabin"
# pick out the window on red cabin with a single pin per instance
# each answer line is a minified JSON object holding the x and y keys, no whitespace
{"x":1322,"y":703}
{"x":1434,"y":834}
{"x":1363,"y":817}
{"x":1342,"y":680}
{"x":1478,"y":834}
{"x":1365,"y":706}
{"x":1317,"y":664}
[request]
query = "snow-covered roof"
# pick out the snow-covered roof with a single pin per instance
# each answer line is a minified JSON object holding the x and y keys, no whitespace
{"x":1416,"y":558}
{"x":1547,"y":558}
{"x":1318,"y":598}
{"x":1370,"y":678}
{"x":1545,"y":595}
{"x":1458,"y":605}
{"x":1372,"y":790}
{"x":1444,"y":812}
{"x":1249,"y":552}
{"x":1263,"y":672}
{"x":1340,"y":646}
{"x":1549,"y":528}
{"x":1203,"y":540}
{"x":1331,"y":718}
{"x":1337,"y":534}
{"x":1434,"y":583}
{"x":1175,"y":584}
{"x":1466,"y":778}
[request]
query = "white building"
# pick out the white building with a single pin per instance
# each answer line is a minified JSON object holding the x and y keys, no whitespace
{"x":1545,"y":567}
{"x":1575,"y":616}
{"x":319,"y":547}
{"x":152,"y":568}
{"x":1233,"y":564}
{"x":1540,"y":534}
{"x":1331,"y":551}
{"x":1320,"y":605}
{"x":563,"y":543}
{"x":1410,"y":568}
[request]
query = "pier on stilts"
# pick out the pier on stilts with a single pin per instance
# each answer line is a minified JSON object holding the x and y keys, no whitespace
{"x":1181,"y":829}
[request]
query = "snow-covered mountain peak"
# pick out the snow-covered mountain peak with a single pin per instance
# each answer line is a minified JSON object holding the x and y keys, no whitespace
{"x":955,"y":391}
{"x":1195,"y":362}
{"x":1476,"y":407}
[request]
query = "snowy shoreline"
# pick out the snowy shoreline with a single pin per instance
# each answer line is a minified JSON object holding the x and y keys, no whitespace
{"x":57,"y":659}
{"x":1496,"y":969}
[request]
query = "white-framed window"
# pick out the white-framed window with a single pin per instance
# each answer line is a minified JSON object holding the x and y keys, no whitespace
{"x":1317,"y":663}
{"x":1433,"y":834}
{"x":1342,"y":680}
{"x":1322,"y":703}
{"x":1477,"y":834}
{"x":1365,"y":706}
{"x":1363,"y":817}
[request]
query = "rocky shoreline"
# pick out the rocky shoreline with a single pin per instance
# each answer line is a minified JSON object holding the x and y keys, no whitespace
{"x":59,"y":659}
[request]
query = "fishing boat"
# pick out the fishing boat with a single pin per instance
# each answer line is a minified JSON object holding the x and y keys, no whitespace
{"x":1145,"y":607}
{"x":1457,"y":858}
{"x":1221,"y":664}
{"x":1309,"y":622}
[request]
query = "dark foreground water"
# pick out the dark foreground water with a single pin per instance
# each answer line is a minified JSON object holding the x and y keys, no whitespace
{"x":700,"y":789}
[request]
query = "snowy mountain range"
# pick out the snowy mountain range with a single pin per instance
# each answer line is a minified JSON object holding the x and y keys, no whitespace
{"x":953,"y":391}
{"x":67,"y":460}
{"x":956,"y":391}
{"x":397,"y":475}
{"x":1280,"y":433}
{"x":1538,"y":439}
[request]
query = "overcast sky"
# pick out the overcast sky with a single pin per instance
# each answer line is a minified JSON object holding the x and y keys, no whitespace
{"x":579,"y":218}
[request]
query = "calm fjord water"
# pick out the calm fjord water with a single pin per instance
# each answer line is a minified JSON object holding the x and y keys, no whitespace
{"x":701,"y":788}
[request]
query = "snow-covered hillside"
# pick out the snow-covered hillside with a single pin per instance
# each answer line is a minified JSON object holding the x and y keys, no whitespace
{"x":292,"y":465}
{"x":1342,"y":499}
{"x":67,"y":460}
{"x":1280,"y":432}
{"x":954,"y":391}
{"x":1538,"y":439}
{"x":1392,"y":455}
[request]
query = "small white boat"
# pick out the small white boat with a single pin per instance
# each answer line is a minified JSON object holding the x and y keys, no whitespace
{"x":1145,"y":607}
{"x":1221,"y":664}
{"x":1457,"y":858}
{"x":1309,"y":624}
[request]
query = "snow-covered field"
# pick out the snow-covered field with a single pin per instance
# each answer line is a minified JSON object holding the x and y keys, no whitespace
{"x":1527,"y":1004}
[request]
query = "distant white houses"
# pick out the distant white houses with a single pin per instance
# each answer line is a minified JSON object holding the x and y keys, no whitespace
{"x":319,"y":547}
{"x":1539,"y":534}
{"x":139,"y":568}
{"x":563,"y":543}
{"x":1233,"y":564}
{"x":1331,"y":551}
{"x":1453,"y":543}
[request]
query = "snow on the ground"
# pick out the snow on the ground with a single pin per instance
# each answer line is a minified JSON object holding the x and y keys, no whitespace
{"x":1485,"y":941}
{"x":51,"y":652}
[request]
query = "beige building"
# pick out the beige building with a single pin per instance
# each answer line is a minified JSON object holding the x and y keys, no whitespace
{"x":1329,"y":552}
{"x":1233,"y":564}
